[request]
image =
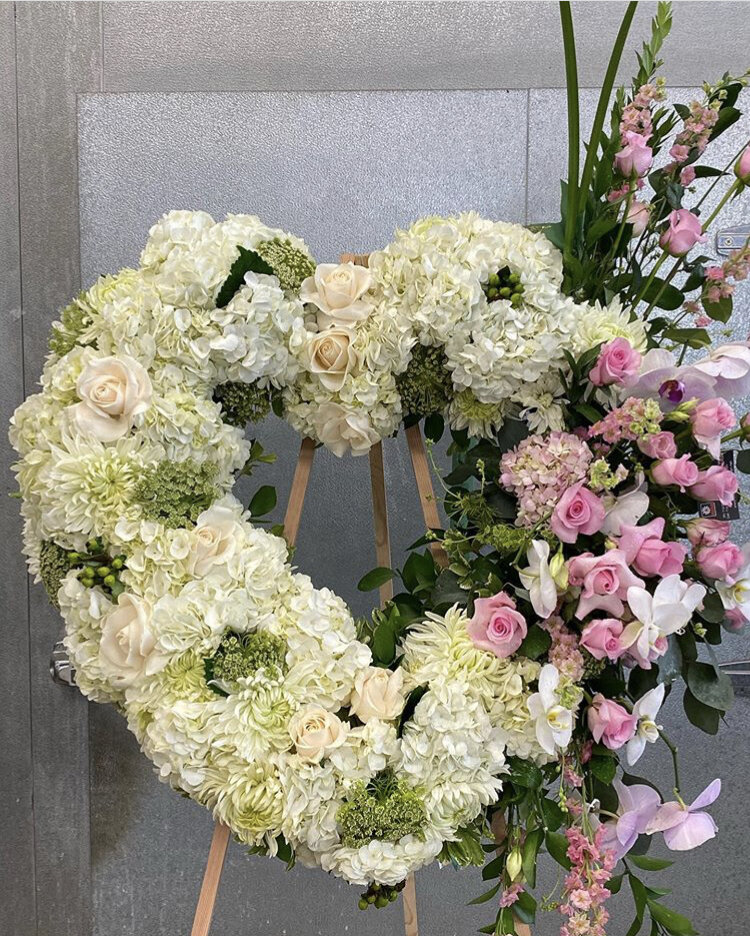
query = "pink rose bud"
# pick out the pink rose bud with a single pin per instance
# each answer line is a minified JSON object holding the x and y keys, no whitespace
{"x":659,"y":445}
{"x":618,"y":363}
{"x":683,"y":233}
{"x":715,"y":484}
{"x":647,"y":553}
{"x":610,"y":723}
{"x":687,"y":176}
{"x":720,"y":562}
{"x":602,"y":639}
{"x":680,"y":471}
{"x":742,"y":167}
{"x":496,"y":625}
{"x":710,"y":420}
{"x":635,"y":158}
{"x":578,"y":511}
{"x":702,"y":532}
{"x":638,"y":216}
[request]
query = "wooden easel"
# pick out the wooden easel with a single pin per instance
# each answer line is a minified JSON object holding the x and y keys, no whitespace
{"x":220,"y":840}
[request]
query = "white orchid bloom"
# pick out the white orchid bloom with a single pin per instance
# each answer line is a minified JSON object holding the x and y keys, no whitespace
{"x":538,"y":579}
{"x":647,"y":731}
{"x":627,"y":509}
{"x":553,"y":721}
{"x":667,"y":611}
{"x":736,"y":596}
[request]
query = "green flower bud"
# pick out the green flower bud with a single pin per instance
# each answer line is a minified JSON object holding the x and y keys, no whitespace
{"x":103,"y":571}
{"x":110,"y":580}
{"x":363,"y":904}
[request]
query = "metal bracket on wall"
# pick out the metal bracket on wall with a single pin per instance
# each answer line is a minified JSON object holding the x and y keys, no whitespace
{"x":733,"y":239}
{"x":60,"y":668}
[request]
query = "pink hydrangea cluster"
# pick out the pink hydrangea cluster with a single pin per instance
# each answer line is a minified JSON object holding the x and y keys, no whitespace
{"x":694,"y":135}
{"x":584,"y":890}
{"x":564,"y":652}
{"x":633,"y":420}
{"x":540,"y":469}
{"x":735,"y":267}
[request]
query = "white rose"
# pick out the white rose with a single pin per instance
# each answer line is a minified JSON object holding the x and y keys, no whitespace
{"x":214,"y":540}
{"x":127,"y":641}
{"x":342,"y":430}
{"x":316,"y":732}
{"x":113,"y":391}
{"x":331,"y":355}
{"x":336,"y":290}
{"x":378,"y":693}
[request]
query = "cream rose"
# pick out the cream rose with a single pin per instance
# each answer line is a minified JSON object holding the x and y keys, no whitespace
{"x":343,"y":430}
{"x":331,"y":355}
{"x":336,"y":290}
{"x":127,"y":642}
{"x":213,"y":541}
{"x":378,"y":693}
{"x":316,"y":732}
{"x":112,"y":391}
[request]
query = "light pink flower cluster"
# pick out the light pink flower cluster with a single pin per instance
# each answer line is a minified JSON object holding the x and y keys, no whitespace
{"x":636,"y":116}
{"x":539,"y":471}
{"x":694,"y":135}
{"x":564,"y":652}
{"x":718,"y":286}
{"x":633,"y":420}
{"x":511,"y":894}
{"x":585,"y":891}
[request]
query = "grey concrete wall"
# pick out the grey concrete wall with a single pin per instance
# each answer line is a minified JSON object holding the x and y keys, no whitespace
{"x":111,"y":113}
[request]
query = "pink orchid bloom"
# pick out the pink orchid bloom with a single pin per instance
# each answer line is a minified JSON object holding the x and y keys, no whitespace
{"x":638,"y":806}
{"x":687,"y":827}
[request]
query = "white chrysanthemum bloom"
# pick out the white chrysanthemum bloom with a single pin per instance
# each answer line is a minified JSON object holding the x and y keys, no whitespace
{"x":246,"y":796}
{"x":598,"y":324}
{"x":254,"y":722}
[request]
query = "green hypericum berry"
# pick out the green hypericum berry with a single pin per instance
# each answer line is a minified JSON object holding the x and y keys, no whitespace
{"x":426,"y":387}
{"x":363,"y":904}
{"x":503,"y":284}
{"x":103,"y":571}
{"x":381,"y":901}
{"x":117,"y":563}
{"x":110,"y":580}
{"x":506,"y":292}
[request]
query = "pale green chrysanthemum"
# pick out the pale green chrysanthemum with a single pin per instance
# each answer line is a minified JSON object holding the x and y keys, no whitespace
{"x":481,"y":419}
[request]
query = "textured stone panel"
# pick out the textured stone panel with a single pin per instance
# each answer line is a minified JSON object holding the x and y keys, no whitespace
{"x":319,"y":45}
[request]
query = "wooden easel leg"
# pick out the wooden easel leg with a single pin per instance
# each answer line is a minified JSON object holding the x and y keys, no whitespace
{"x":426,"y":491}
{"x":383,"y":550}
{"x":211,"y":878}
{"x":220,"y":840}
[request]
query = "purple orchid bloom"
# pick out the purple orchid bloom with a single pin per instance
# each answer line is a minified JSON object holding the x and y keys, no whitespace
{"x":661,"y":378}
{"x":638,"y":807}
{"x":686,"y":827}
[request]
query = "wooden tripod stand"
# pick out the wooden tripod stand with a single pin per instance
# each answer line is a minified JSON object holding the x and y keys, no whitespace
{"x":220,"y":840}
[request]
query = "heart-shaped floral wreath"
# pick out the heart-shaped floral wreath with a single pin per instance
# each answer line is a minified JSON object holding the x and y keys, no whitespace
{"x":548,"y":644}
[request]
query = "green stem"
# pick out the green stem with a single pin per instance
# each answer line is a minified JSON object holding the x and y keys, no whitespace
{"x":603,"y":105}
{"x":667,"y":281}
{"x":726,"y":169}
{"x":730,"y":192}
{"x":675,"y":764}
{"x":571,"y":81}
{"x":649,"y":281}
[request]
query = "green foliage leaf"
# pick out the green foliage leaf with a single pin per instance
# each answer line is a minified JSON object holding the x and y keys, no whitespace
{"x":552,"y":814}
{"x":743,"y":461}
{"x":248,"y":261}
{"x":650,"y":864}
{"x":525,"y":774}
{"x":525,"y":907}
{"x":384,"y":642}
{"x":434,"y":426}
{"x":720,"y":311}
{"x":603,"y":768}
{"x":710,"y":685}
{"x":672,"y":921}
{"x":727,"y":117}
{"x":700,"y":715}
{"x":447,"y":590}
{"x":664,"y":295}
{"x":707,"y":172}
{"x":483,"y":898}
{"x":375,"y":578}
{"x":557,"y":846}
{"x":531,"y":848}
{"x":692,"y":337}
{"x":263,"y":502}
{"x":535,"y":643}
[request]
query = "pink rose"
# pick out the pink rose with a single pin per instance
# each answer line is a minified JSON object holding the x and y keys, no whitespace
{"x":578,"y":511}
{"x":702,"y":532}
{"x":720,"y":562}
{"x":710,"y":420}
{"x":680,"y":471}
{"x":610,"y":723}
{"x":683,"y":233}
{"x":659,"y":445}
{"x":496,"y":625}
{"x":602,"y":638}
{"x":635,"y":158}
{"x":742,"y":167}
{"x":639,"y":214}
{"x":604,"y":582}
{"x":646,"y":551}
{"x":618,"y":363}
{"x":716,"y":484}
